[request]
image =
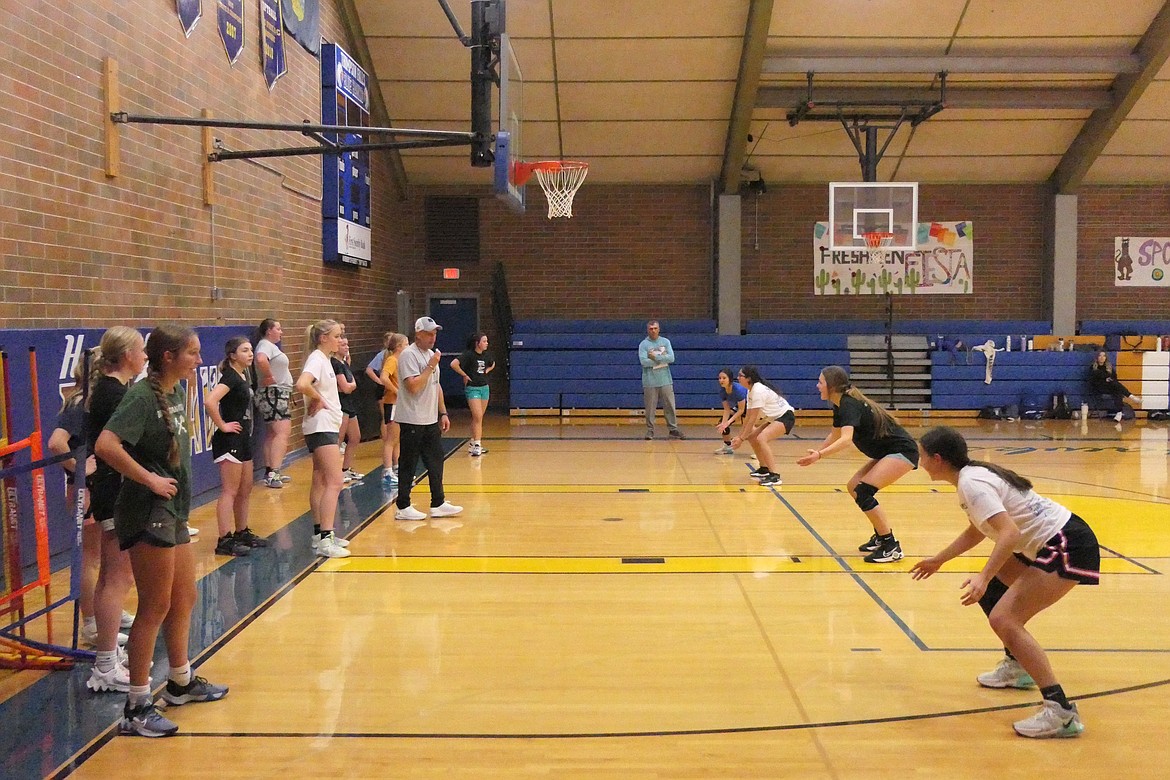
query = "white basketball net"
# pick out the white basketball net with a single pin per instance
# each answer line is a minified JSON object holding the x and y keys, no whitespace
{"x":560,"y":184}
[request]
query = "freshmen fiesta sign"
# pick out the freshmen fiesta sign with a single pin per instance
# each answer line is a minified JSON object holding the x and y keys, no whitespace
{"x":942,"y":264}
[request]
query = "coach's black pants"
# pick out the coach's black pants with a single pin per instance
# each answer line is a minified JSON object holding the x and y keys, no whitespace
{"x":420,"y":441}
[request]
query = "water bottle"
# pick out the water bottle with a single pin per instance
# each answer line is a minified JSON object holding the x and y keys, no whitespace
{"x":1009,"y":344}
{"x":1084,"y":410}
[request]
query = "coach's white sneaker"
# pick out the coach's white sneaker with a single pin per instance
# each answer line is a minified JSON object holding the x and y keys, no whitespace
{"x":409,"y":513}
{"x":445,"y":509}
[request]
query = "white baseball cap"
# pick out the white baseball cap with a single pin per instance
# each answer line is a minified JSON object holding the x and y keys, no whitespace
{"x":427,"y":324}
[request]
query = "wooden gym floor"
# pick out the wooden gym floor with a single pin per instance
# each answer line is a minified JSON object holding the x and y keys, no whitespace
{"x":612,"y":607}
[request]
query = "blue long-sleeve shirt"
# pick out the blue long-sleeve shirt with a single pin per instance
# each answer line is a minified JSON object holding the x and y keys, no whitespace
{"x":656,"y":353}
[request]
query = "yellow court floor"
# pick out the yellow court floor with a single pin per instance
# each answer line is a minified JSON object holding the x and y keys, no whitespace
{"x":607,"y":606}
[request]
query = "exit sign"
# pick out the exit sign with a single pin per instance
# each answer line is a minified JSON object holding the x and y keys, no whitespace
{"x":450,"y":273}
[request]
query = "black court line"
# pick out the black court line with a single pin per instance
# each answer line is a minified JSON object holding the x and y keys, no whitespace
{"x":827,"y":724}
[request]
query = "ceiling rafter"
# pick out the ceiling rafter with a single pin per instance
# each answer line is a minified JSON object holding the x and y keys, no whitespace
{"x":755,"y":41}
{"x":1031,"y":65}
{"x":1153,"y":50}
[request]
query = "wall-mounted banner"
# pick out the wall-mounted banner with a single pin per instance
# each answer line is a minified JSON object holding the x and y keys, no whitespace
{"x":943,"y":264}
{"x":189,"y":13}
{"x":345,"y":197}
{"x":271,"y":42}
{"x":1141,"y":262}
{"x":302,"y":19}
{"x":58,"y":351}
{"x":229,"y":18}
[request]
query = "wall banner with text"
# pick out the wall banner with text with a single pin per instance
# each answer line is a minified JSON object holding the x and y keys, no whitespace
{"x":1141,"y":262}
{"x":229,"y":20}
{"x":271,"y":42}
{"x":943,"y":264}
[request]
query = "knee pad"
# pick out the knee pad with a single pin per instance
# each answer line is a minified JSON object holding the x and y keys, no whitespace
{"x":865,"y":496}
{"x":995,"y":590}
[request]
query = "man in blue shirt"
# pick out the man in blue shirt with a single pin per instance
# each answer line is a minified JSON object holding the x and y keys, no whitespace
{"x":655,"y":354}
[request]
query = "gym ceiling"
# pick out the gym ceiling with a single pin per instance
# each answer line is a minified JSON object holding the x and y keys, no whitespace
{"x":1071,"y":92}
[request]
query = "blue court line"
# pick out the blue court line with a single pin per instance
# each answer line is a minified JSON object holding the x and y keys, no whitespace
{"x":50,"y":723}
{"x":854,"y":574}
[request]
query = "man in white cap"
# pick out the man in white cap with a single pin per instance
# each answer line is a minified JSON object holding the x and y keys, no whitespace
{"x":421,"y":414}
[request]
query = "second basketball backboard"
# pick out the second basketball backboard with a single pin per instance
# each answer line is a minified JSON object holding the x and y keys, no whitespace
{"x":857,"y":208}
{"x":509,"y":128}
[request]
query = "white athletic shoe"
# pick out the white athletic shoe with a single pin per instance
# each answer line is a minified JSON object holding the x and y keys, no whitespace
{"x":409,"y":513}
{"x":117,"y":679}
{"x":1008,"y":674}
{"x":1051,"y":721}
{"x":327,"y":547}
{"x":127,"y":620}
{"x":445,"y":509}
{"x":337,"y":541}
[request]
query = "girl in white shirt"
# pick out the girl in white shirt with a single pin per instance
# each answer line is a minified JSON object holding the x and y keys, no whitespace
{"x":318,"y":384}
{"x":1042,"y":550}
{"x":768,"y":415}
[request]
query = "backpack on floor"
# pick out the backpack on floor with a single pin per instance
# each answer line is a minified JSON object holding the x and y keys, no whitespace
{"x":1059,"y":408}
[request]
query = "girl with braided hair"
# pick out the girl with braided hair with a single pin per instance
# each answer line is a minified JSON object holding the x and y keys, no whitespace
{"x":148,"y":441}
{"x":1042,"y":551}
{"x":892,"y":454}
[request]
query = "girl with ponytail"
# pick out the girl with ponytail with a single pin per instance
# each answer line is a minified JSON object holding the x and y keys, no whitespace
{"x":1042,"y":551}
{"x":768,"y":415}
{"x":148,"y":441}
{"x":891,"y":450}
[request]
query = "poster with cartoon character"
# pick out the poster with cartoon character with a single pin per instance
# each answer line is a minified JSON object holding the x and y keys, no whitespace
{"x":1141,"y":261}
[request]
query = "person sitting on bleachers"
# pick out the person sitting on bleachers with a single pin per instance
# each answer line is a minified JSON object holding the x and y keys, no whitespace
{"x":1103,"y":382}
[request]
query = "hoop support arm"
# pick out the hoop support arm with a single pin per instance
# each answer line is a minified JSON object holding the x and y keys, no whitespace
{"x":121,"y":117}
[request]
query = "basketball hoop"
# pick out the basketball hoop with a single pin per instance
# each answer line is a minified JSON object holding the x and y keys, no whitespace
{"x":878,"y":239}
{"x":560,"y":180}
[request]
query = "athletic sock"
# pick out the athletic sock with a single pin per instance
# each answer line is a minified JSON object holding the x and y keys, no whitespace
{"x":139,"y":695}
{"x":316,"y":529}
{"x":1056,"y":693}
{"x":181,"y":674}
{"x":887,"y":537}
{"x":105,"y":659}
{"x":1008,"y":653}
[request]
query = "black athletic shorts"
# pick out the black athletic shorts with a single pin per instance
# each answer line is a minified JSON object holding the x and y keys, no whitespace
{"x":1072,"y":554}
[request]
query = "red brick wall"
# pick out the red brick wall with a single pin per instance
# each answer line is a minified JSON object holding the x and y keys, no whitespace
{"x":80,"y":248}
{"x":1104,"y":213}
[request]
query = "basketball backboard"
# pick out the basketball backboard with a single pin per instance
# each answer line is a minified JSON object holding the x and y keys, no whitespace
{"x":508,"y":125}
{"x":857,"y":208}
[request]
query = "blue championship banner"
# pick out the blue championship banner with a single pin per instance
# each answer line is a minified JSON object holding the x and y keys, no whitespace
{"x":190,"y":12}
{"x":302,"y":19}
{"x":345,"y":200}
{"x":229,"y":19}
{"x":271,"y":42}
{"x":58,"y":352}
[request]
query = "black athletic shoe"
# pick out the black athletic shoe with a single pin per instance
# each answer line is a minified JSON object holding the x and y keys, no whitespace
{"x":249,"y":538}
{"x":232,"y":545}
{"x":874,"y":543}
{"x":759,"y":473}
{"x":677,"y":434}
{"x":771,"y":478}
{"x":887,"y":554}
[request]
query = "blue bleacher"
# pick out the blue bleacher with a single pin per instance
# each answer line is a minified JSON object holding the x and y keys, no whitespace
{"x":1125,"y":327}
{"x":592,"y":364}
